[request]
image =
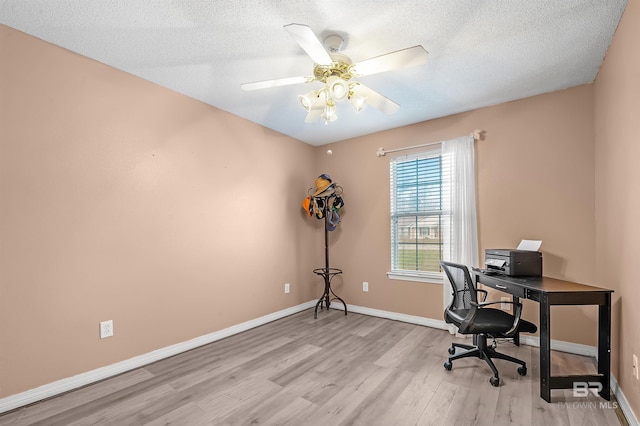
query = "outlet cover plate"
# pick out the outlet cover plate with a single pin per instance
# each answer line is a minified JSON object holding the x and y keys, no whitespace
{"x":106,"y":329}
{"x":287,"y":288}
{"x":365,"y":286}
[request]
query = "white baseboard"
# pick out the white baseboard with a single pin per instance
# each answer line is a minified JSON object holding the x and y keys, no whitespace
{"x":411,"y":319}
{"x":562,"y":346}
{"x":624,"y":403}
{"x":70,"y":383}
{"x":58,"y":387}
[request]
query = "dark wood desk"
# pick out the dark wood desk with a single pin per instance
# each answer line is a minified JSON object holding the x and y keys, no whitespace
{"x":550,"y":291}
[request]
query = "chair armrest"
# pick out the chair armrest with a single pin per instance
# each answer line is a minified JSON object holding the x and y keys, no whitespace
{"x":517,"y":313}
{"x":484,"y":294}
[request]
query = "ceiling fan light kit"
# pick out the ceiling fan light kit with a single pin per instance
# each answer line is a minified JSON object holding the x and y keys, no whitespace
{"x":329,"y":112}
{"x":323,"y":101}
{"x":356,"y":99}
{"x":338,"y":88}
{"x":336,"y":70}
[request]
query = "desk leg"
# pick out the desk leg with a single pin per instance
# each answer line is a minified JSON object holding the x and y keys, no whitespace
{"x":604,"y":347}
{"x":516,"y":337}
{"x":545,"y":348}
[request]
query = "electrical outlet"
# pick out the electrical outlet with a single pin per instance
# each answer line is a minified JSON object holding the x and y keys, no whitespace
{"x":635,"y":367}
{"x":505,"y":306}
{"x":287,"y":288}
{"x":365,"y":286}
{"x":106,"y":329}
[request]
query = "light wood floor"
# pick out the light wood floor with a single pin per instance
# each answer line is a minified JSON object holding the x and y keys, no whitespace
{"x":336,"y":370}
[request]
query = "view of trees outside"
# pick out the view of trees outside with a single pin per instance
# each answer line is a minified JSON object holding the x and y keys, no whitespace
{"x":419,"y":243}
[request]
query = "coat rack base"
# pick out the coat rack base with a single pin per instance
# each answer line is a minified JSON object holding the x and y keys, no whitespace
{"x":325,"y":300}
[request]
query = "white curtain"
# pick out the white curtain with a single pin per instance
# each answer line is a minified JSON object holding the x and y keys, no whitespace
{"x":459,"y":186}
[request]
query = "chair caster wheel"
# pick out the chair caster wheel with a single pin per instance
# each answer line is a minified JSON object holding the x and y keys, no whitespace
{"x":495,"y":381}
{"x":447,"y":366}
{"x":522,"y":371}
{"x":452,"y":350}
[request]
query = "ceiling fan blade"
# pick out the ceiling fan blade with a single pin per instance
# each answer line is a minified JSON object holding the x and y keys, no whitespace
{"x":275,"y":83}
{"x":376,"y":100}
{"x":399,"y":59}
{"x":303,"y":35}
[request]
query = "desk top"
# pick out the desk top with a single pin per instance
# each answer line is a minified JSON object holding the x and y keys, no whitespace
{"x":543,"y":284}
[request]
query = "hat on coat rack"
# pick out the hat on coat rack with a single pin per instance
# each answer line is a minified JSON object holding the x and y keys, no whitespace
{"x":338,"y":202}
{"x":333,"y":219}
{"x":324,"y":186}
{"x":307,"y":205}
{"x":318,"y":208}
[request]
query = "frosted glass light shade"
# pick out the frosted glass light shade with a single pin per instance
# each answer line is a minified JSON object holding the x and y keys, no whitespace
{"x":307,"y":100}
{"x":338,"y":88}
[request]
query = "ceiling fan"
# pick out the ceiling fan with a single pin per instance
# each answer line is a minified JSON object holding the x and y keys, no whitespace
{"x":336,"y":72}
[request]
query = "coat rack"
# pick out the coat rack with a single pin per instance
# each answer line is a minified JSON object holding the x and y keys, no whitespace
{"x":327,"y":199}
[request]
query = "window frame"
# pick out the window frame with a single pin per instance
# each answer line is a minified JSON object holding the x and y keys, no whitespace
{"x":404,"y":274}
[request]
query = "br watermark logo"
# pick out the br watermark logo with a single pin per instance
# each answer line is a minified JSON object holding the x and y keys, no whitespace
{"x":584,"y":390}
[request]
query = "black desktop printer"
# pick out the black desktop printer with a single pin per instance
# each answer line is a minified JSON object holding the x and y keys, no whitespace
{"x":513,"y":262}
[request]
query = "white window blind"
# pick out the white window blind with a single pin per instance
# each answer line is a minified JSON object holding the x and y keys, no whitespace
{"x":419,"y":213}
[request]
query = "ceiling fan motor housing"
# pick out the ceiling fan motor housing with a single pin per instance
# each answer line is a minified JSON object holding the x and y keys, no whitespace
{"x":333,"y":42}
{"x":340,"y":67}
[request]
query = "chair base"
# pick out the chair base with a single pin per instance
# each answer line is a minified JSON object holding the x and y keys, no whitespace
{"x":485,"y":352}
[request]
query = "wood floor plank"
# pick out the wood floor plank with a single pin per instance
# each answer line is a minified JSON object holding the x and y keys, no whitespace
{"x":188,"y":414}
{"x":292,"y":414}
{"x":235,"y":400}
{"x":375,"y":405}
{"x":334,"y":370}
{"x":224,"y":364}
{"x":269,"y":407}
{"x":72,"y":400}
{"x":414,"y":398}
{"x":398,"y":353}
{"x":515,"y":402}
{"x":340,"y":407}
{"x":441,"y":409}
{"x":120,"y":411}
{"x":477,"y":408}
{"x":366,"y":327}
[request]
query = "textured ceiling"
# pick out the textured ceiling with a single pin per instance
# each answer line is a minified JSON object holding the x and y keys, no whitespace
{"x":480,"y":52}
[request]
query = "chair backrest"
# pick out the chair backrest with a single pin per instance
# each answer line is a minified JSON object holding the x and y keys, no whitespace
{"x":463,"y":288}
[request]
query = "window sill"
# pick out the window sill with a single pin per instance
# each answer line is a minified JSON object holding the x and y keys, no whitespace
{"x":417,"y":277}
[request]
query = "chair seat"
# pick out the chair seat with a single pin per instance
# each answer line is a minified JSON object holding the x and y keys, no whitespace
{"x":494,"y":322}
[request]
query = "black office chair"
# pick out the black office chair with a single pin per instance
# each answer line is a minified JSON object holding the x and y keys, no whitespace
{"x":472,"y":316}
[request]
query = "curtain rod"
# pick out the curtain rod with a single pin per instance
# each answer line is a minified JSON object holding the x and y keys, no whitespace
{"x":381,"y":151}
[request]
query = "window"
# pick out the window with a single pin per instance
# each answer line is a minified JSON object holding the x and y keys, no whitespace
{"x":433,"y":211}
{"x":418,"y":216}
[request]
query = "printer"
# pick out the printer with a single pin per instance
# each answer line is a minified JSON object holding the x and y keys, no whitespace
{"x":513,"y":262}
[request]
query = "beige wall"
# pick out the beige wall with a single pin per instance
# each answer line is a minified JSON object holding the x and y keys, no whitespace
{"x":122,"y":200}
{"x":617,"y":147}
{"x":535,"y":170}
